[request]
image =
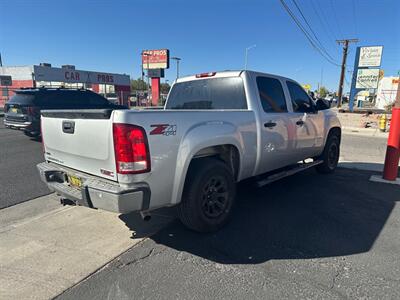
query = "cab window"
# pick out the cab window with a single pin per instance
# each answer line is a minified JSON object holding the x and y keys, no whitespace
{"x":301,"y":102}
{"x":271,"y":95}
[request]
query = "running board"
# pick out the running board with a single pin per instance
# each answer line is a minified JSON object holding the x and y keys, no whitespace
{"x":286,"y":173}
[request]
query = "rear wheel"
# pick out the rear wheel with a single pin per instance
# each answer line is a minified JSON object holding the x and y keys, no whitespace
{"x":208,"y":196}
{"x":330,"y":156}
{"x":32,"y":134}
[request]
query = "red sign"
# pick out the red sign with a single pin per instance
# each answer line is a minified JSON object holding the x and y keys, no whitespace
{"x":155,"y":59}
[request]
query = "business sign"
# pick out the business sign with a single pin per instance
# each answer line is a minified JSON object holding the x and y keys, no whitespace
{"x":78,"y":76}
{"x":156,"y":73}
{"x":5,"y":80}
{"x":370,"y":56}
{"x":155,"y":59}
{"x":367,"y":79}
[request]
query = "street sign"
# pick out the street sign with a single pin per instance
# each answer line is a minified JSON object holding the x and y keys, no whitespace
{"x":5,"y":80}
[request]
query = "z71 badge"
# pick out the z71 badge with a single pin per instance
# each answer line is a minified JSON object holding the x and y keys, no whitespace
{"x":163,"y":129}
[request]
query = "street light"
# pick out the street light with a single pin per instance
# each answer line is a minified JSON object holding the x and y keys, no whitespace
{"x":245,"y":58}
{"x":177,"y":65}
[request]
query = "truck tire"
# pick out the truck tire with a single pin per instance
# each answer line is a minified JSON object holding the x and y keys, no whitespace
{"x":208,"y":195}
{"x":330,"y":155}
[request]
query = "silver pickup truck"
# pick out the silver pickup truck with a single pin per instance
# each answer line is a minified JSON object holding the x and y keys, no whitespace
{"x":215,"y":130}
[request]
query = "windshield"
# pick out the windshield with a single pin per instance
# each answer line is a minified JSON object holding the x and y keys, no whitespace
{"x":213,"y":93}
{"x":22,"y":99}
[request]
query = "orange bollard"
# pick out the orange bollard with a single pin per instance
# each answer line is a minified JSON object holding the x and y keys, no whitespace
{"x":391,"y":167}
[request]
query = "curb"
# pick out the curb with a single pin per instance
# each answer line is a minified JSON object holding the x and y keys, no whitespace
{"x":364,"y":131}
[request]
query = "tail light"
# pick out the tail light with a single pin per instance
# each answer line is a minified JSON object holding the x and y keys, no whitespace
{"x":131,"y":149}
{"x":202,"y":75}
{"x":33,"y":110}
{"x":41,"y":135}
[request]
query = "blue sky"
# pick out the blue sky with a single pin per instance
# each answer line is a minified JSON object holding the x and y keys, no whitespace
{"x":208,"y":35}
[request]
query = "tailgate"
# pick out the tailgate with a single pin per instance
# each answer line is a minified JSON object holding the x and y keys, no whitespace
{"x":80,"y":140}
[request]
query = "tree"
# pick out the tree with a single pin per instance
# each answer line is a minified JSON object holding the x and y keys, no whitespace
{"x":138,"y":85}
{"x":323,"y":91}
{"x":164,"y":88}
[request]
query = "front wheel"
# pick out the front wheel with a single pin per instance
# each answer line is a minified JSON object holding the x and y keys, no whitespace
{"x":330,"y":156}
{"x":208,"y":196}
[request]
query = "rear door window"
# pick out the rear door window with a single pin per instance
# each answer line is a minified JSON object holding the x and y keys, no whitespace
{"x":212,"y":93}
{"x":271,"y":95}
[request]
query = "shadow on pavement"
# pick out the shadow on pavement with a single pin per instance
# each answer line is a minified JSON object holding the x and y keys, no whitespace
{"x":303,"y":216}
{"x":366,"y":166}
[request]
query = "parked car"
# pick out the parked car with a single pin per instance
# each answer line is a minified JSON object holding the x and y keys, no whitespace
{"x":215,"y":130}
{"x":23,"y":110}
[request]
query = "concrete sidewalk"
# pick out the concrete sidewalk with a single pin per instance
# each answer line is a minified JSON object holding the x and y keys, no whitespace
{"x":46,"y":248}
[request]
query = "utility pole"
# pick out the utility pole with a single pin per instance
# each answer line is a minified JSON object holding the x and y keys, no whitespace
{"x":345,"y":49}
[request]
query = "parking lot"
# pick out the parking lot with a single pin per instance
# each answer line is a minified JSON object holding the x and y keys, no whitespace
{"x":308,"y":235}
{"x":18,"y":176}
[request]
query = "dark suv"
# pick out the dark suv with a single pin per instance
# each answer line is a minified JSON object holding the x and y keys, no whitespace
{"x":23,"y":110}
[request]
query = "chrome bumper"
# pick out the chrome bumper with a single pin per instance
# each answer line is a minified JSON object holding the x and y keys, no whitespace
{"x":95,"y":192}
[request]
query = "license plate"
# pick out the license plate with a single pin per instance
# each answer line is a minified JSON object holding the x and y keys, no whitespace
{"x":14,"y":110}
{"x":74,"y":181}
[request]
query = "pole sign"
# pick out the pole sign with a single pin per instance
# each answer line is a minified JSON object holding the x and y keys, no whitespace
{"x":155,"y":59}
{"x":5,"y":80}
{"x":366,"y":73}
{"x":367,"y":78}
{"x":370,"y":56}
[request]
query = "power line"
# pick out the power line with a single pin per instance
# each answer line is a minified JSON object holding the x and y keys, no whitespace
{"x":325,"y":25}
{"x":336,"y":18}
{"x":307,"y":34}
{"x":312,"y":31}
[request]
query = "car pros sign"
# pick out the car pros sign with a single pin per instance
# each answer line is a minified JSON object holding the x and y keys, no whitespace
{"x":370,"y":56}
{"x":367,"y":78}
{"x":73,"y":76}
{"x":155,"y":59}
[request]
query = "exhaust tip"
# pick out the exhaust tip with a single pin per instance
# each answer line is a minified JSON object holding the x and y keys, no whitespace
{"x":145,"y":216}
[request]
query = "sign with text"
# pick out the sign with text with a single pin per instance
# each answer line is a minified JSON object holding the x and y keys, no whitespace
{"x":367,"y":78}
{"x":155,"y":59}
{"x":370,"y":56}
{"x":78,"y":76}
{"x":5,"y":80}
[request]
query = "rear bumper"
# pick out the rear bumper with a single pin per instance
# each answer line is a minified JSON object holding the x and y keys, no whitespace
{"x":95,"y":192}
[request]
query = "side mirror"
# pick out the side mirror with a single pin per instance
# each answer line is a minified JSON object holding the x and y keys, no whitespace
{"x":323,"y":104}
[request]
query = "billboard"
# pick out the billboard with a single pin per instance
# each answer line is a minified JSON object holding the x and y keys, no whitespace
{"x":367,"y":78}
{"x":155,"y":59}
{"x":370,"y":56}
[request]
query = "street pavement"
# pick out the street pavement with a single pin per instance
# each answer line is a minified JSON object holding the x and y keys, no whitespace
{"x":19,"y":180}
{"x":306,"y":236}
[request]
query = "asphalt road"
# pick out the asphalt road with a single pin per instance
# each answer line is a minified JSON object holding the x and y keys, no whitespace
{"x":306,"y":236}
{"x":19,"y":180}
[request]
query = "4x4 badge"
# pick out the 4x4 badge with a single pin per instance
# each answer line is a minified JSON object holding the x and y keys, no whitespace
{"x":163,"y":129}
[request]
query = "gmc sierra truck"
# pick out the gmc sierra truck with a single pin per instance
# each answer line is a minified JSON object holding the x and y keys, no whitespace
{"x":215,"y":130}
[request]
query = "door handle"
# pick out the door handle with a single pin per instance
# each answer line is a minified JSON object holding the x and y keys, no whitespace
{"x":270,"y":124}
{"x":300,"y":123}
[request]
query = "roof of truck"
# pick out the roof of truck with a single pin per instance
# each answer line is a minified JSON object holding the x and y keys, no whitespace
{"x":226,"y":73}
